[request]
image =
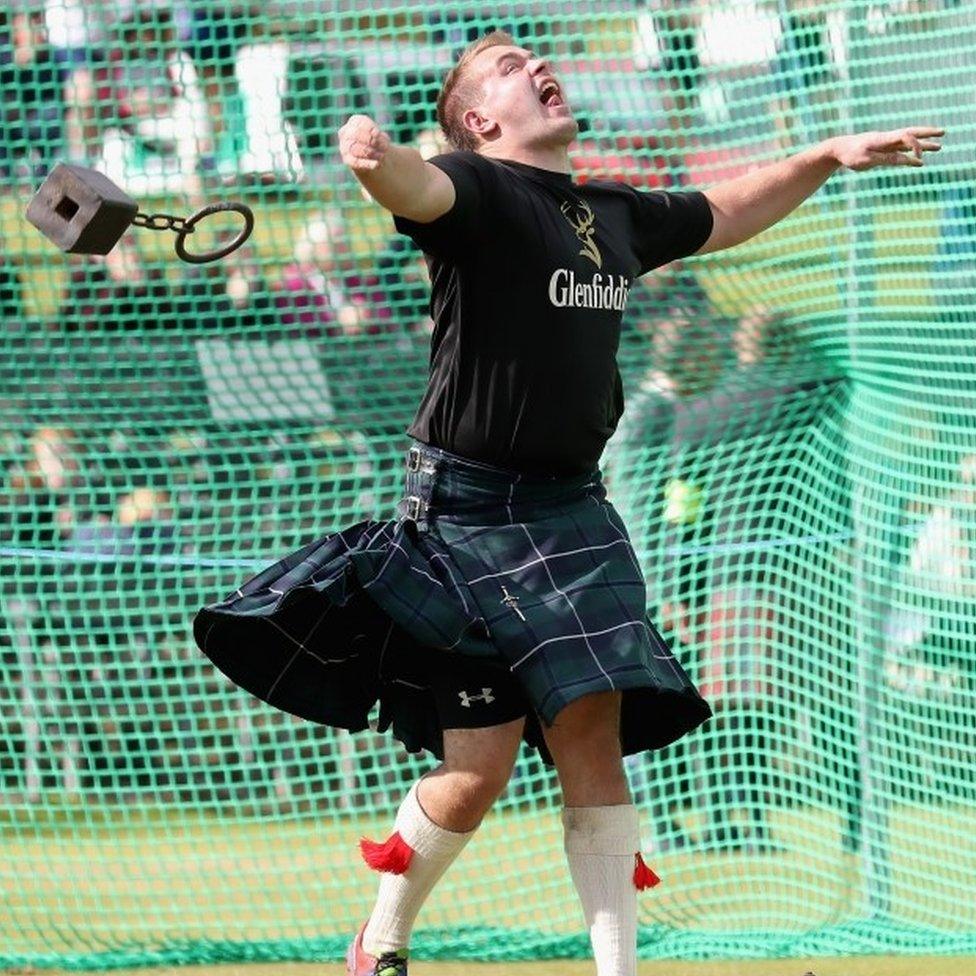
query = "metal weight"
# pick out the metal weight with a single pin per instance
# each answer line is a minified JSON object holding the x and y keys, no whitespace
{"x":81,"y":210}
{"x":84,"y":212}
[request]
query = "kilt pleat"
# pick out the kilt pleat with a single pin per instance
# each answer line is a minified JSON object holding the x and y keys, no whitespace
{"x":533,"y":575}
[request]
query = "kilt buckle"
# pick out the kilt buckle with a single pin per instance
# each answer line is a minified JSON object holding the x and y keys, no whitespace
{"x":416,"y":507}
{"x":413,"y":459}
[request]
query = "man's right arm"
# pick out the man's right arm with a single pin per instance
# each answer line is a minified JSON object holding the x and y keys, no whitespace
{"x":396,"y":177}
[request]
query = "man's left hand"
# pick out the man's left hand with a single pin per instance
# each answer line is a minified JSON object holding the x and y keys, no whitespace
{"x":898,"y":147}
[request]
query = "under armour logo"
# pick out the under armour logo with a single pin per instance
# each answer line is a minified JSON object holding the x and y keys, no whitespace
{"x":485,"y":696}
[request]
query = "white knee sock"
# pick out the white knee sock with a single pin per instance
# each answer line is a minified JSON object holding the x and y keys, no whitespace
{"x":602,"y":844}
{"x":428,"y":851}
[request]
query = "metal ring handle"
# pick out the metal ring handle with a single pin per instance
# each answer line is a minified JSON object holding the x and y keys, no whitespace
{"x":242,"y":208}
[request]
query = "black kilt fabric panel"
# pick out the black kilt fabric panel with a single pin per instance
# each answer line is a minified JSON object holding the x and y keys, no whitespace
{"x":534,"y":575}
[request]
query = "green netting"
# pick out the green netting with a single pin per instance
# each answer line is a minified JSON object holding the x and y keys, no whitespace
{"x":797,"y":465}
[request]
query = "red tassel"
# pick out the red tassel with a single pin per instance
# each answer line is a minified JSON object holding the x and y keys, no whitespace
{"x":393,"y":856}
{"x":644,"y":877}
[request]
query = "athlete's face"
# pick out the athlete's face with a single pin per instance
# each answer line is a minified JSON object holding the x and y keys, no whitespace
{"x":522,"y":100}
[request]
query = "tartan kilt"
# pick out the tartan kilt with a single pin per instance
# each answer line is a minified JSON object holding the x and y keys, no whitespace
{"x":531,"y":574}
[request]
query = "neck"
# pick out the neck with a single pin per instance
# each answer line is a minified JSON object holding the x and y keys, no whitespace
{"x":553,"y":158}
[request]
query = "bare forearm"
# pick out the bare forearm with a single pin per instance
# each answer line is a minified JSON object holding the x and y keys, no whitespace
{"x":750,"y":204}
{"x":398,"y":182}
{"x":747,"y":206}
{"x":396,"y":177}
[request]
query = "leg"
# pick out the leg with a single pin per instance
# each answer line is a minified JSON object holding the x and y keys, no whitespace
{"x":602,"y":834}
{"x":438,"y":817}
{"x":584,"y":741}
{"x":476,"y":768}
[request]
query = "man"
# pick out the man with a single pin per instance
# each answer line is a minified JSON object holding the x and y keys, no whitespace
{"x":505,"y":601}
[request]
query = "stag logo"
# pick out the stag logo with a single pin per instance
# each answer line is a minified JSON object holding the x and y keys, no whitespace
{"x":581,"y":218}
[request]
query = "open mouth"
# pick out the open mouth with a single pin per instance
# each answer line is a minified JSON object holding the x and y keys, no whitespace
{"x":550,"y":95}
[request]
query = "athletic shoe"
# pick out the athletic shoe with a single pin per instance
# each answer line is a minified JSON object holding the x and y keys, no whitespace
{"x":360,"y":963}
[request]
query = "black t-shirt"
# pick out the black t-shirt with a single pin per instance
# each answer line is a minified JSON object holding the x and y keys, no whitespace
{"x":529,"y":279}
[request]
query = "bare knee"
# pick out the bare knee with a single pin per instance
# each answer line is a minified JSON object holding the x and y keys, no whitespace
{"x":472,"y":791}
{"x":476,"y":769}
{"x":482,"y":759}
{"x":584,"y":741}
{"x":589,"y":724}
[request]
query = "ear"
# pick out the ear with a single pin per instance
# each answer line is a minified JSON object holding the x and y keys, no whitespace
{"x":475,"y":122}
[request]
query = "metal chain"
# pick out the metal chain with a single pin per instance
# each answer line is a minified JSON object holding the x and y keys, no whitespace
{"x":185,"y":227}
{"x":162,"y":222}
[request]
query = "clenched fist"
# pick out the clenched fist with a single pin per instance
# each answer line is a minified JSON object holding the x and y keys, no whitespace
{"x":362,"y":143}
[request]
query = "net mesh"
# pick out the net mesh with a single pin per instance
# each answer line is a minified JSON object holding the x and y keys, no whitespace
{"x":797,"y":466}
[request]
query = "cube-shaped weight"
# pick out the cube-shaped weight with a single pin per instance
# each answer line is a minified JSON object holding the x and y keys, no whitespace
{"x":81,"y":210}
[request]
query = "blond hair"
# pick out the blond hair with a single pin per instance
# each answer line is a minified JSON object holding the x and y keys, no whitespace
{"x":459,"y":92}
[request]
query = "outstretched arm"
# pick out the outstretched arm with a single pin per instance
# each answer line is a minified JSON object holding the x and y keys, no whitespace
{"x":397,"y":177}
{"x":748,"y":205}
